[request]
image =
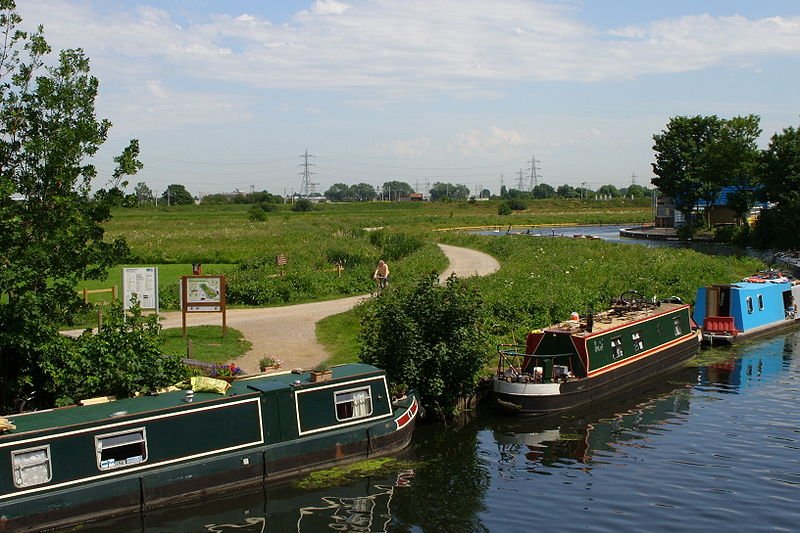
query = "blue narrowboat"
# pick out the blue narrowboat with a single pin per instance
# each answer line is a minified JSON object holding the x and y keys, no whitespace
{"x":73,"y":464}
{"x":757,"y":305}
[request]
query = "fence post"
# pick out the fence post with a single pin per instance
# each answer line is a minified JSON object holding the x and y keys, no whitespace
{"x":189,"y":349}
{"x":99,"y":319}
{"x":85,"y":296}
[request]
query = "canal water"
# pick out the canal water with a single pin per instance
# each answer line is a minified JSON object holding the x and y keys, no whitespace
{"x":714,"y":445}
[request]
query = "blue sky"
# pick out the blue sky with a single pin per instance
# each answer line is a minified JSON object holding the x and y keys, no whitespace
{"x":226,"y":95}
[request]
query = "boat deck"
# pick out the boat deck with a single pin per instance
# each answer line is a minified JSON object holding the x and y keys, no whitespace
{"x":173,"y":399}
{"x":612,"y":319}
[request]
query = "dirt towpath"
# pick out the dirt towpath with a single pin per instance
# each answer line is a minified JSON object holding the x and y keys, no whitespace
{"x":289,"y":332}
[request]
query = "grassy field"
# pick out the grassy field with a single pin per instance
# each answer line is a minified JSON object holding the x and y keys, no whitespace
{"x":541,"y":280}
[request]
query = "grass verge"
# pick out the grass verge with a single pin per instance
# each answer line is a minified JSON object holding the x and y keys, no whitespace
{"x":208,"y":345}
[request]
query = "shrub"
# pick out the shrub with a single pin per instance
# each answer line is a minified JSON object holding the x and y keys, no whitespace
{"x":504,"y":209}
{"x":122,"y":359}
{"x":517,"y":205}
{"x":395,"y":245}
{"x":302,"y":205}
{"x":430,"y":336}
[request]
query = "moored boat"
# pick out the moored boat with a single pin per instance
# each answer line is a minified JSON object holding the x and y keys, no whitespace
{"x":582,"y":359}
{"x":759,"y":304}
{"x":74,"y":464}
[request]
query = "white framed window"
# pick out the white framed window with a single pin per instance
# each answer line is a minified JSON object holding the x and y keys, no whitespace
{"x":638,"y":343}
{"x":31,"y":466}
{"x":616,"y":348}
{"x":676,"y":324}
{"x":121,"y":449}
{"x":749,"y":301}
{"x":760,"y":302}
{"x":355,"y":403}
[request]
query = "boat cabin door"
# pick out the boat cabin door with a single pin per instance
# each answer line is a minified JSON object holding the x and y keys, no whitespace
{"x":718,"y":300}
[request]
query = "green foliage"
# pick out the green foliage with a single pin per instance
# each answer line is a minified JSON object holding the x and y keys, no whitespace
{"x":303,"y":205}
{"x":52,"y":238}
{"x":517,"y":204}
{"x":122,"y":359}
{"x":504,"y":209}
{"x":258,"y":212}
{"x":781,"y":177}
{"x":176,"y":194}
{"x":431,"y":337}
{"x":542,"y":281}
{"x":395,"y":246}
{"x":697,"y":156}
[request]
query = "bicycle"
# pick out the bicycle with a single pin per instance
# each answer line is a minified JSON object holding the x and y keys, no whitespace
{"x":380,"y":285}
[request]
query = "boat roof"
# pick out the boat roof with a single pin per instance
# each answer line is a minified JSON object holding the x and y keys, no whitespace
{"x":75,"y":415}
{"x":612,"y":319}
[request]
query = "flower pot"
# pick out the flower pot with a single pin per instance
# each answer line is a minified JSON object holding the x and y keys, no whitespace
{"x":270,"y":367}
{"x":320,"y":376}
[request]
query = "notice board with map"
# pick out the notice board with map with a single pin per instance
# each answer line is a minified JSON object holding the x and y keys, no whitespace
{"x":203,"y":294}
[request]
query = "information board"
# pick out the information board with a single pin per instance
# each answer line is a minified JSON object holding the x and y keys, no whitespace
{"x":143,"y":283}
{"x":203,"y":294}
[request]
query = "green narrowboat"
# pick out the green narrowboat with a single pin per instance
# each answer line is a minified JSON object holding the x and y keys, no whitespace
{"x":74,"y":464}
{"x":579,"y":360}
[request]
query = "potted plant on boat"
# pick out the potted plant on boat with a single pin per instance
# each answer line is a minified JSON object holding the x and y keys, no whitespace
{"x":269,"y":362}
{"x":398,"y":391}
{"x":227,"y":372}
{"x":321,"y":372}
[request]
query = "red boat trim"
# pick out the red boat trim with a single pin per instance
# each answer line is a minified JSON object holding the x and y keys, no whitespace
{"x":580,"y":348}
{"x":408,"y":415}
{"x":534,"y":340}
{"x":642,"y":355}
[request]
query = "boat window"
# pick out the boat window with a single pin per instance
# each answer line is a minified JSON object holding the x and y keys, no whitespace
{"x":616,"y":348}
{"x":638,"y":343}
{"x":676,"y":323}
{"x":353,"y":404}
{"x":760,"y":302}
{"x":117,"y":450}
{"x":750,"y":304}
{"x":31,"y":467}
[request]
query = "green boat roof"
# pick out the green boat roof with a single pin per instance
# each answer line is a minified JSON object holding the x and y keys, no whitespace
{"x":118,"y":410}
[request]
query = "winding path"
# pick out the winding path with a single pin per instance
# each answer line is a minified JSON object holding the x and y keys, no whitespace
{"x":289,"y":332}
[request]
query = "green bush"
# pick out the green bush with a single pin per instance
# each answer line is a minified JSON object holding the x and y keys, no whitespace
{"x":430,"y":336}
{"x":504,"y":209}
{"x":125,"y":357}
{"x":517,"y":204}
{"x":395,"y":246}
{"x":303,"y":205}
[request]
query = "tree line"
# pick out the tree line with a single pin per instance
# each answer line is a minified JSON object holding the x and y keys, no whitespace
{"x":697,"y":157}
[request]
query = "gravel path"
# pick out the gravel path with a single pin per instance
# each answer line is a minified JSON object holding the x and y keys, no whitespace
{"x":289,"y":332}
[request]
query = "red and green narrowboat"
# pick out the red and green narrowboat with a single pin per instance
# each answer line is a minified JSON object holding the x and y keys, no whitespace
{"x":73,"y":464}
{"x":585,"y":358}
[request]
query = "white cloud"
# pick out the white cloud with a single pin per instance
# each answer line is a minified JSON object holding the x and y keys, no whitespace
{"x":152,"y":106}
{"x":417,"y":44}
{"x":495,"y":141}
{"x":409,"y":148}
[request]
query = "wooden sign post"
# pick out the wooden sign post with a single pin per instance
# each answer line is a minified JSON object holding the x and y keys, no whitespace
{"x":203,"y":294}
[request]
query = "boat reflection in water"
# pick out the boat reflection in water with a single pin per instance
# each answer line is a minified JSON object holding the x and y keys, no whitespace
{"x":364,"y":505}
{"x":601,"y":427}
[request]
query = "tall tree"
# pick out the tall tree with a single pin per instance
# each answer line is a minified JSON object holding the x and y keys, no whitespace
{"x":51,"y":237}
{"x":448,"y":191}
{"x":681,"y":167}
{"x":394,"y":190}
{"x":780,"y":170}
{"x":143,"y":193}
{"x":362,"y":192}
{"x":176,"y":194}
{"x":734,"y":159}
{"x":338,"y":192}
